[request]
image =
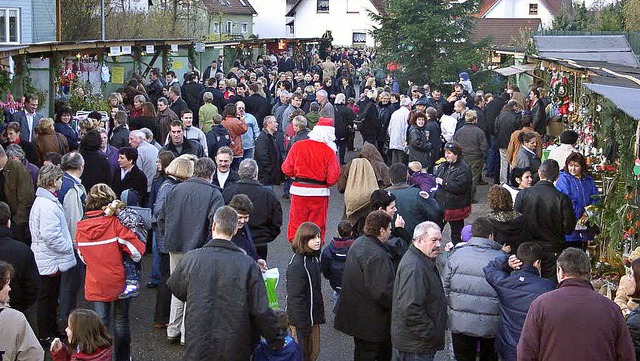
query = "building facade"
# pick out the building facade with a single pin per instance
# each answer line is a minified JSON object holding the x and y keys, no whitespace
{"x":27,"y":21}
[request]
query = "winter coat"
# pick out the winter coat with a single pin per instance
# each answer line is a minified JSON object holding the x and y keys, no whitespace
{"x":370,"y":153}
{"x":71,"y":134}
{"x":195,"y":134}
{"x":455,"y":190}
{"x":420,"y":149}
{"x":135,"y":180}
{"x":419,"y":316}
{"x":50,"y":239}
{"x":231,"y":178}
{"x":186,"y":221}
{"x":244,"y":240}
{"x":539,"y":117}
{"x":147,"y":122}
{"x":178,"y":105}
{"x":17,"y":339}
{"x":370,"y":125}
{"x":18,"y":188}
{"x":348,"y":91}
{"x":633,"y":323}
{"x":206,"y":113}
{"x":424,"y":181}
{"x":25,"y":283}
{"x":266,"y":217}
{"x":364,"y":307}
{"x":474,"y":309}
{"x":236,"y":128}
{"x":515,"y":292}
{"x":51,"y":142}
{"x":64,"y":354}
{"x":120,"y":137}
{"x":397,"y":129}
{"x":548,"y":214}
{"x":217,"y":137}
{"x":333,"y":260}
{"x":509,"y":228}
{"x":226,"y":303}
{"x":269,"y":159}
{"x":72,"y":196}
{"x":191,"y":95}
{"x":414,"y":208}
{"x":161,"y":198}
{"x":95,"y":168}
{"x":384,"y":116}
{"x":101,"y":242}
{"x":506,"y":123}
{"x":574,"y":322}
{"x":305,"y":306}
{"x":290,"y":351}
{"x":514,"y":145}
{"x":189,"y":146}
{"x":623,"y":298}
{"x":491,"y":112}
{"x":527,"y":159}
{"x":30,"y":152}
{"x":472,"y":140}
{"x":258,"y":106}
{"x":164,"y":123}
{"x":344,"y":121}
{"x":581,"y":191}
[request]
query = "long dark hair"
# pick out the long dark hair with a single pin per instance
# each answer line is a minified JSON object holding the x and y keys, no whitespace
{"x":635,"y":267}
{"x":88,"y":334}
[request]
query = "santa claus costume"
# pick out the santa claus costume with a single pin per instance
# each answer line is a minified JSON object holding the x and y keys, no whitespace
{"x":314,"y":168}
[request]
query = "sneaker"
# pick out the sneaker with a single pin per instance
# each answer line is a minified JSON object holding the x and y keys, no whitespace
{"x":131,"y":290}
{"x":153,"y":284}
{"x":173,"y":339}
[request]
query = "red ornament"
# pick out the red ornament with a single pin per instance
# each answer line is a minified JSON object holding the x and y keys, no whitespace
{"x":392,"y":66}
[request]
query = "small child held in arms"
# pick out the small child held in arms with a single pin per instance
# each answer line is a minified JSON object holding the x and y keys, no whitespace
{"x":305,"y":306}
{"x":129,"y":217}
{"x":334,"y":257}
{"x":88,"y":339}
{"x":289,"y":352}
{"x":425,"y":181}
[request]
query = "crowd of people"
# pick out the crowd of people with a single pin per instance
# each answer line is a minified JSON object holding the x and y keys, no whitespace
{"x":187,"y":173}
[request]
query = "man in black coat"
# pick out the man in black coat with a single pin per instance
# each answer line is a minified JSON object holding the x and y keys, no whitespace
{"x":224,"y":175}
{"x":120,"y":133}
{"x":507,"y":122}
{"x":268,"y":156}
{"x":191,"y":91}
{"x":154,"y":88}
{"x":178,"y":144}
{"x":419,"y":316}
{"x":26,"y":281}
{"x":130,"y":176}
{"x":177,"y":103}
{"x":491,"y":111}
{"x":218,"y":98}
{"x":256,"y":104}
{"x":266,"y":219}
{"x":226,"y":299}
{"x":548,"y":214}
{"x":364,"y":306}
{"x":538,"y":113}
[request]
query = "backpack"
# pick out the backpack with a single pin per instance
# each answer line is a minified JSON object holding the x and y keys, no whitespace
{"x":217,"y":137}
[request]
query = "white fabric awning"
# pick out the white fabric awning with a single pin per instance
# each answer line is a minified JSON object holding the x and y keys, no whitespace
{"x":515,"y":69}
{"x":626,"y":99}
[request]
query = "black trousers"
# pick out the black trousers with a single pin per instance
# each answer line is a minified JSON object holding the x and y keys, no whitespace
{"x":262,"y":251}
{"x":342,"y":149}
{"x":163,"y":295}
{"x":465,"y":348}
{"x":48,"y":306}
{"x":456,"y":230}
{"x":371,"y":351}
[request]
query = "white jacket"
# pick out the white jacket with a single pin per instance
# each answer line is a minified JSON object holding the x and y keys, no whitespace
{"x":50,"y":239}
{"x":448,"y":127}
{"x":398,"y":128}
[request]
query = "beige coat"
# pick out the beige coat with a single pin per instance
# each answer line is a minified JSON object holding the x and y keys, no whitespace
{"x":626,"y":288}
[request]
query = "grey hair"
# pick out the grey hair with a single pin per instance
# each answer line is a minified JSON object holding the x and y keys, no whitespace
{"x":207,"y":97}
{"x":300,"y":121}
{"x":226,"y":221}
{"x":101,"y":130}
{"x":269,"y":118}
{"x":48,"y":176}
{"x":14,"y":151}
{"x":461,"y":103}
{"x":575,"y":263}
{"x":248,"y":169}
{"x":141,"y":98}
{"x":549,"y":170}
{"x":322,"y":93}
{"x":147,"y":133}
{"x":405,"y":101}
{"x":176,"y":89}
{"x":422,"y":229}
{"x":72,"y":160}
{"x":138,"y":134}
{"x":203,"y":168}
{"x":163,"y":100}
{"x":340,"y":99}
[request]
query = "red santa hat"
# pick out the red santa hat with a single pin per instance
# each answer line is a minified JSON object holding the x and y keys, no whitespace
{"x":325,"y":122}
{"x":324,"y":132}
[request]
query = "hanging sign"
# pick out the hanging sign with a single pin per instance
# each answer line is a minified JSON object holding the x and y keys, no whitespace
{"x":114,"y":51}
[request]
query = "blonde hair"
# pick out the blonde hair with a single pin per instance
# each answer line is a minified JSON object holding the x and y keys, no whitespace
{"x":231,"y":83}
{"x":46,"y":125}
{"x":471,"y":116}
{"x":48,"y":176}
{"x":100,"y":195}
{"x":181,"y":168}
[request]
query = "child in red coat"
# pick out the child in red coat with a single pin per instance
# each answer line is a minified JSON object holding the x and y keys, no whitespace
{"x":87,"y":336}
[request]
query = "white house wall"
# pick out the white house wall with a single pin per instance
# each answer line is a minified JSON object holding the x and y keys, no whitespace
{"x":520,"y":9}
{"x":309,"y":23}
{"x":270,"y":21}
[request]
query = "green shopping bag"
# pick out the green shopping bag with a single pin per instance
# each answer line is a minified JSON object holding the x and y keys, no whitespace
{"x":271,"y":278}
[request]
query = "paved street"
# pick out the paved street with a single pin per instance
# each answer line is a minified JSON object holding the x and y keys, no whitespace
{"x":150,"y":344}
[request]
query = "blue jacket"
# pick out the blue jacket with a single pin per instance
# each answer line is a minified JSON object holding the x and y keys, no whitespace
{"x":515,"y":292}
{"x":244,"y":240}
{"x":581,"y":192}
{"x":333,"y":259}
{"x":290,"y":351}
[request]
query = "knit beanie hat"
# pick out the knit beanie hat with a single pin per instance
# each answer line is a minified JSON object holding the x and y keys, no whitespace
{"x":464,"y":76}
{"x":466,"y":233}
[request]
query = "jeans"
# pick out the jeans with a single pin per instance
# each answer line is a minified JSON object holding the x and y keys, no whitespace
{"x":371,"y":351}
{"x":504,"y":166}
{"x":155,"y":268}
{"x":493,"y":160}
{"x":411,"y":356}
{"x":248,"y":153}
{"x":120,"y":329}
{"x":163,"y":295}
{"x":286,"y":185}
{"x":47,"y":306}
{"x":176,"y":317}
{"x":465,"y":348}
{"x":70,"y":284}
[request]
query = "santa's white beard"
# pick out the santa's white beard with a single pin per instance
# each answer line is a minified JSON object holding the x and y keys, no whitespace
{"x":324,"y":134}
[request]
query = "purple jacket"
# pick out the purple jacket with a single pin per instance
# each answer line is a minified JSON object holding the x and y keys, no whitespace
{"x":33,"y":171}
{"x":425,"y":181}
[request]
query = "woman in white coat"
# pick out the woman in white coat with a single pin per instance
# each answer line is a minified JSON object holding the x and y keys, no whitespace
{"x":51,"y":245}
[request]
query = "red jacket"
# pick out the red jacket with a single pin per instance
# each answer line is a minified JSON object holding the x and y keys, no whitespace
{"x":311,"y":160}
{"x":64,"y":354}
{"x":236,"y":128}
{"x":101,"y":240}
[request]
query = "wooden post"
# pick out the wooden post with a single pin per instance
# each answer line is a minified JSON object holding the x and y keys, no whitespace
{"x":165,"y":59}
{"x":52,"y":83}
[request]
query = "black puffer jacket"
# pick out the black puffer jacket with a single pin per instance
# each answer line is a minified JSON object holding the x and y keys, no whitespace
{"x":364,"y":307}
{"x":227,"y":309}
{"x":419,"y":317}
{"x":370,"y":125}
{"x":344,"y":121}
{"x":455,"y":191}
{"x":419,"y":146}
{"x":266,"y":218}
{"x":269,"y":159}
{"x":507,"y":122}
{"x":509,"y":227}
{"x":305,"y":306}
{"x":384,"y":117}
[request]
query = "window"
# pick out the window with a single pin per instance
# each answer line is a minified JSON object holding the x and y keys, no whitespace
{"x":323,"y":6}
{"x":244,"y":28}
{"x":533,"y":9}
{"x":9,"y":26}
{"x":359,"y":38}
{"x":216,"y":28}
{"x":229,"y":27}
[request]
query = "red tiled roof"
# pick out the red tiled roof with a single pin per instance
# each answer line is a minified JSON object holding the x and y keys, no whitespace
{"x":485,"y":6}
{"x":502,"y":30}
{"x":232,"y":7}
